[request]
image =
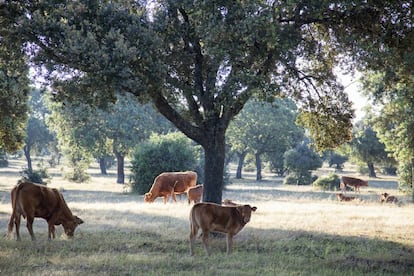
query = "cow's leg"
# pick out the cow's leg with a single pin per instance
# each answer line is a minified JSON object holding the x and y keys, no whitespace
{"x":173,"y":196}
{"x":229,"y":237}
{"x":206,"y":235}
{"x":193,"y":235}
{"x":51,"y":233}
{"x":29,"y":225}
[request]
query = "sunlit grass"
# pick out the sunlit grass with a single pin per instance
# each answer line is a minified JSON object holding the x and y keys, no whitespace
{"x":295,"y":231}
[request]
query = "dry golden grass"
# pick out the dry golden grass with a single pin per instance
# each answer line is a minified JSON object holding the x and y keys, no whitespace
{"x":290,"y":220}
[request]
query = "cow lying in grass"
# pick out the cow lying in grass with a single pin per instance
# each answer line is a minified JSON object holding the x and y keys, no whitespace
{"x":387,"y":198}
{"x":212,"y":217}
{"x":341,"y":197}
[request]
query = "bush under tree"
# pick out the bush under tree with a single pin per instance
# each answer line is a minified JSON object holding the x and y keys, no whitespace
{"x":299,"y":163}
{"x":161,"y":153}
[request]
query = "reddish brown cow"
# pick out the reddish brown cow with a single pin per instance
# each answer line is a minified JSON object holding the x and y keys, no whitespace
{"x":213,"y":217}
{"x":195,"y":193}
{"x":387,"y":198}
{"x":169,"y":184}
{"x":356,"y":183}
{"x":32,"y":200}
{"x":341,"y":197}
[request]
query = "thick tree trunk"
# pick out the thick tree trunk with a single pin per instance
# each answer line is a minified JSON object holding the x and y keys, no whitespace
{"x":258,"y":167}
{"x":242,"y":156}
{"x":214,"y":169}
{"x":120,"y":168}
{"x":102,"y":165}
{"x":26,"y":150}
{"x":371,"y":169}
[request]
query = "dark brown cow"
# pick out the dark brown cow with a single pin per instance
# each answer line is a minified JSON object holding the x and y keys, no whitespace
{"x":341,"y":197}
{"x":195,"y":193}
{"x":32,"y":200}
{"x":169,"y":184}
{"x":356,"y":183}
{"x":387,"y":198}
{"x":213,"y":217}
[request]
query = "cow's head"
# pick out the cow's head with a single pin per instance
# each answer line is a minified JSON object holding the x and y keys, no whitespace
{"x":148,"y":197}
{"x":384,"y":197}
{"x":70,"y":226}
{"x":246,"y":212}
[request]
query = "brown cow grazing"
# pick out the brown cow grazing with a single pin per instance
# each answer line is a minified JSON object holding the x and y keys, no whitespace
{"x":32,"y":200}
{"x":213,"y":217}
{"x":356,"y":183}
{"x":341,"y":197}
{"x":387,"y":198}
{"x":195,"y":193}
{"x":169,"y":184}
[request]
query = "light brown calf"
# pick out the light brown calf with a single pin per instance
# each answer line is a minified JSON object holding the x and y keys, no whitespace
{"x":195,"y":194}
{"x":341,"y":197}
{"x":213,"y":217}
{"x":387,"y":198}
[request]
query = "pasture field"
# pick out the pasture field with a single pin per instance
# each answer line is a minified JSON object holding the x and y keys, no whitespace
{"x":297,"y":230}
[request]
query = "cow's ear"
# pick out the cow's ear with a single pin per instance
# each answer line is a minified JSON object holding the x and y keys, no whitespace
{"x":254,"y":209}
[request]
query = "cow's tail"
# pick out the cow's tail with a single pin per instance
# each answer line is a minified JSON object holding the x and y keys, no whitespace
{"x":13,"y":198}
{"x":193,"y":222}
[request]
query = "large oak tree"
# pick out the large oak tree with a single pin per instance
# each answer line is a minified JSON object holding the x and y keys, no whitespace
{"x":200,"y":61}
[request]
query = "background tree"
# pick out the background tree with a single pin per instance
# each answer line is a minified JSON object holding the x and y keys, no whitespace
{"x":114,"y":130}
{"x":299,"y":163}
{"x":367,"y":148}
{"x":199,"y":62}
{"x":335,"y":158}
{"x":14,"y":82}
{"x":265,"y":128}
{"x":38,"y":135}
{"x":395,"y":121}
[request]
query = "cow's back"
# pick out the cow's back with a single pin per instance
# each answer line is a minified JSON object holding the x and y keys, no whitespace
{"x":184,"y":180}
{"x":36,"y":200}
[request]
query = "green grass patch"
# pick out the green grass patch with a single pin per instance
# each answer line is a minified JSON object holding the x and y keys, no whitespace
{"x":145,"y":253}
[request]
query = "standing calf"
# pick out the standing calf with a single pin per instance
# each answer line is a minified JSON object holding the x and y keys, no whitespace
{"x":213,"y":217}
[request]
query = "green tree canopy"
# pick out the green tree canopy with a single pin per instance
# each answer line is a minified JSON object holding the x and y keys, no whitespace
{"x":14,"y":83}
{"x":265,"y":128}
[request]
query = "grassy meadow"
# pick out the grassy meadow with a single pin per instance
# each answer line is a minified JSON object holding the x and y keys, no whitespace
{"x":297,"y":230}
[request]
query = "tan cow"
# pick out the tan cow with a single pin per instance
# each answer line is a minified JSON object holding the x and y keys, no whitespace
{"x":32,"y":200}
{"x":169,"y":184}
{"x":356,"y":183}
{"x":213,"y":217}
{"x":387,"y":198}
{"x":195,"y":193}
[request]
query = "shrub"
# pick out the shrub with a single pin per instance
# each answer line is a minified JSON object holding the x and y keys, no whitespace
{"x":35,"y":176}
{"x":330,"y":182}
{"x":305,"y":178}
{"x":161,"y":153}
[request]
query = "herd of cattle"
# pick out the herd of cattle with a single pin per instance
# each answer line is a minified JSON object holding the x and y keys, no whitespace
{"x":31,"y":200}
